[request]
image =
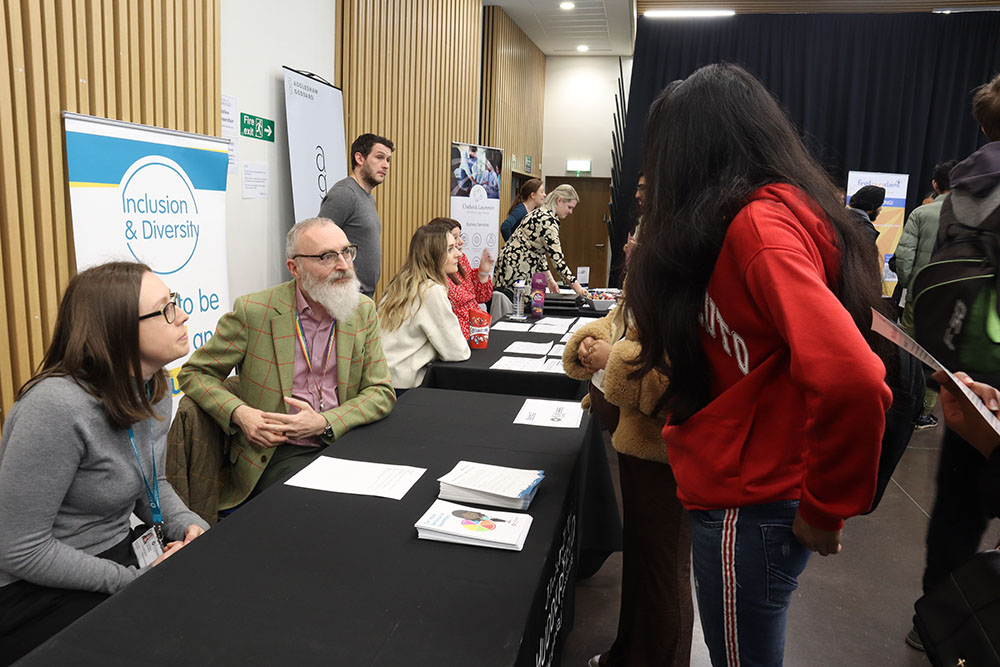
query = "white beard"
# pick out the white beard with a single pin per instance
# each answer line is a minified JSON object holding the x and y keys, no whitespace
{"x":339,"y":299}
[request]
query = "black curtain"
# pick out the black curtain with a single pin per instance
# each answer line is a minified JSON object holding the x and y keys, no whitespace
{"x":868,"y":92}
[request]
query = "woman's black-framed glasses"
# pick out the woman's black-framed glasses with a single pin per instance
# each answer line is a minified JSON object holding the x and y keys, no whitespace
{"x":169,"y":311}
{"x":330,"y":258}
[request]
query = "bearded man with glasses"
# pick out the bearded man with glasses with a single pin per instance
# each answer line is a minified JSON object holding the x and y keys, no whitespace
{"x":311,"y":367}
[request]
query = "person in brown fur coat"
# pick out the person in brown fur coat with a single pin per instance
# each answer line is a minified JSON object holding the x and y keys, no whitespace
{"x":657,"y":616}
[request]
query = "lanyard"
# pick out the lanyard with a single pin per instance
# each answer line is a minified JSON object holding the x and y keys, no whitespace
{"x":154,"y":493}
{"x":305,"y":352}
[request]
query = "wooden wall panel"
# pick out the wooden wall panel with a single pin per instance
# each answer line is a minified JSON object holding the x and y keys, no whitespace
{"x":144,"y":61}
{"x":513,"y":95}
{"x":410,"y":71}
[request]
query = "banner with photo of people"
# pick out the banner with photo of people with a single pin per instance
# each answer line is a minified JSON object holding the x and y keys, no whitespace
{"x":890,"y":219}
{"x":475,"y":197}
{"x":146,"y":194}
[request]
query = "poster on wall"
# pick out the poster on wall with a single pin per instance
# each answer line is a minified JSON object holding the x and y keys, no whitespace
{"x":145,"y":194}
{"x":890,"y":220}
{"x":475,"y":197}
{"x":317,"y":153}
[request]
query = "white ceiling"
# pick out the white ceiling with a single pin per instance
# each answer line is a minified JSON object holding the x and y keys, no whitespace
{"x":607,"y":27}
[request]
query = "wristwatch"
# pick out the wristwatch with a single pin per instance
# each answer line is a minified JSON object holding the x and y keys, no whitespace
{"x":328,"y":431}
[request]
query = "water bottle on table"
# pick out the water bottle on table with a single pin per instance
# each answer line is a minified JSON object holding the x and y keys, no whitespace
{"x":519,"y":299}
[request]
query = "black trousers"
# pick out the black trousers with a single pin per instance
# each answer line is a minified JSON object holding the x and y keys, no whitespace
{"x":960,"y":513}
{"x":30,"y":614}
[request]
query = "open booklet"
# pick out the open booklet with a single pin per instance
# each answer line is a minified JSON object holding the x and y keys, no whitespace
{"x":448,"y":522}
{"x":882,"y":326}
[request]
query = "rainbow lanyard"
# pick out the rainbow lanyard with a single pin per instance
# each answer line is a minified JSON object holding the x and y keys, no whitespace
{"x":305,"y":352}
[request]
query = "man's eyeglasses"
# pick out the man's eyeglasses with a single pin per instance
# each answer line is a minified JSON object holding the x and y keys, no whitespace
{"x":330,"y":258}
{"x":169,"y":311}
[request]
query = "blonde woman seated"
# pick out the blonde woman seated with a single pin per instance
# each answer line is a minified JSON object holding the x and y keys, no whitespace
{"x":418,"y":325}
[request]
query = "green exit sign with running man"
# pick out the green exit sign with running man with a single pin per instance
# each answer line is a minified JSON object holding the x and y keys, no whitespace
{"x":256,"y":127}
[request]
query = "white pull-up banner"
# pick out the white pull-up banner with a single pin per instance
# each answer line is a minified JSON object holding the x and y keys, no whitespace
{"x":317,"y":153}
{"x":156,"y":196}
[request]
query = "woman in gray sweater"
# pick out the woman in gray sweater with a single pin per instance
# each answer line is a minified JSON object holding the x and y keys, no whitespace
{"x":82,"y":449}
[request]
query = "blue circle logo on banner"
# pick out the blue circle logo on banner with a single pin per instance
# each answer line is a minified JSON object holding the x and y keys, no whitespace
{"x":159,"y":214}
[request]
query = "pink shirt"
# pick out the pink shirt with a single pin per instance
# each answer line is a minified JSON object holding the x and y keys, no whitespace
{"x":306,"y":384}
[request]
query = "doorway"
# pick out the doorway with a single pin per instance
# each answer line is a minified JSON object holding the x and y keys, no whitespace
{"x":584,"y":233}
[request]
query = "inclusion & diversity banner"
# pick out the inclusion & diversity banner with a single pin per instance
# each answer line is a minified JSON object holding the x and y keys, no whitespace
{"x":155,"y":196}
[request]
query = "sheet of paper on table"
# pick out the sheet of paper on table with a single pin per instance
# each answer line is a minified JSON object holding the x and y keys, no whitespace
{"x":513,"y":326}
{"x":881,"y":325}
{"x":461,"y":524}
{"x":556,"y":351}
{"x":524,"y":347}
{"x":566,"y":337}
{"x":524,"y":364}
{"x":510,"y":483}
{"x":360,"y":478}
{"x":553,"y":365}
{"x":556,"y":414}
{"x":556,"y":324}
{"x":582,"y":322}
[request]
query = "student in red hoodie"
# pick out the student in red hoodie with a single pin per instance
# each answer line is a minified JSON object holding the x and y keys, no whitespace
{"x":757,"y":284}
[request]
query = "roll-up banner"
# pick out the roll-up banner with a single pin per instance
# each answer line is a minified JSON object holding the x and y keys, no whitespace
{"x":317,"y":152}
{"x":890,"y":220}
{"x":475,"y":197}
{"x":156,"y":196}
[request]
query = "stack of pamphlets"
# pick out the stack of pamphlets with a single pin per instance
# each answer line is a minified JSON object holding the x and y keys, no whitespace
{"x":468,"y":482}
{"x":448,"y":522}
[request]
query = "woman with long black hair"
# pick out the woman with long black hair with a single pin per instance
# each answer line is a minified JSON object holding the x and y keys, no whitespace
{"x":750,"y":292}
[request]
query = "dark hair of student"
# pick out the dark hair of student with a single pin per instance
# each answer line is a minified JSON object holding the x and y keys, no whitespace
{"x":449,"y":224}
{"x":986,"y":108}
{"x":711,"y":141}
{"x":529,"y":188}
{"x":96,"y":342}
{"x":364,"y":145}
{"x":942,"y":174}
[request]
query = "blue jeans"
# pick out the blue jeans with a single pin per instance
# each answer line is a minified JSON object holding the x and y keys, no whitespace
{"x":746,"y":566}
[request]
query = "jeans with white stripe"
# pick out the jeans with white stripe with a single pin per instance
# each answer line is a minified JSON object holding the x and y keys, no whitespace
{"x":746,"y":566}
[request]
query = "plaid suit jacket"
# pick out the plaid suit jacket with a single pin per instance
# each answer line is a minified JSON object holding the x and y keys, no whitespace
{"x":259,"y":338}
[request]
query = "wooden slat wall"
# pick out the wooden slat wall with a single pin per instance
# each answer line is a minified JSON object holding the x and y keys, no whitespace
{"x":410,"y":72}
{"x":513,"y":95}
{"x":145,"y":61}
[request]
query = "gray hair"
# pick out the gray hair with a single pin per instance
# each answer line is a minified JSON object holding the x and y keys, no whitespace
{"x":565,"y":192}
{"x":292,"y":237}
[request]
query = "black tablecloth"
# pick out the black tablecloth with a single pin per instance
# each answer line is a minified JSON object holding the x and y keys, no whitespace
{"x":303,"y":577}
{"x":475,"y":374}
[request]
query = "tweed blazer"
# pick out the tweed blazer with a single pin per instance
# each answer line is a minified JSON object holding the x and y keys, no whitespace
{"x":258,"y":338}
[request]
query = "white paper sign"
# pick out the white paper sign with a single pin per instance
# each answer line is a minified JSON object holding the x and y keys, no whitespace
{"x":357,"y":477}
{"x":256,"y":180}
{"x":555,"y":414}
{"x":231,"y":127}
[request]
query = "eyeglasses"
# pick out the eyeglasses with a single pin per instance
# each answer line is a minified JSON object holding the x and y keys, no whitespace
{"x":330,"y":258}
{"x":169,"y":311}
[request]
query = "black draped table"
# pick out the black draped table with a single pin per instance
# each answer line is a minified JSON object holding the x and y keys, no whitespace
{"x":305,"y":577}
{"x":475,"y":373}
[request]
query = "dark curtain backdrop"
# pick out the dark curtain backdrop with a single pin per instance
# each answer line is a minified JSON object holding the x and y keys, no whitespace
{"x":868,"y":92}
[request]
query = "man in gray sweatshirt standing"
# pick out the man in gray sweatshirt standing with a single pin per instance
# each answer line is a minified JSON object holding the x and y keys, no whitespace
{"x":350,"y":204}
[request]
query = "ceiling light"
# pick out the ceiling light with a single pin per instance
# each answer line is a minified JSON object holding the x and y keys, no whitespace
{"x":566,"y":5}
{"x":583,"y":48}
{"x":962,"y":10}
{"x":687,"y":13}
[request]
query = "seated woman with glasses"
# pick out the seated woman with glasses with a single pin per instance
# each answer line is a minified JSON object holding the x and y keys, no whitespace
{"x":466,"y":288}
{"x":83,"y":448}
{"x":418,"y":325}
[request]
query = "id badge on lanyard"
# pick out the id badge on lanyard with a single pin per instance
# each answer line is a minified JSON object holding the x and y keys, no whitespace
{"x":149,"y":545}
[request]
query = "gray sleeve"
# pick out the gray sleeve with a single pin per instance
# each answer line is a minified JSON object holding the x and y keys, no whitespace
{"x":42,"y":449}
{"x":338,"y":205}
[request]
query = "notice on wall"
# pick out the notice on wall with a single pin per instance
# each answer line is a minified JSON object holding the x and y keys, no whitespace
{"x":890,"y":220}
{"x":230,"y":127}
{"x":145,"y":194}
{"x":256,"y":181}
{"x":475,"y":197}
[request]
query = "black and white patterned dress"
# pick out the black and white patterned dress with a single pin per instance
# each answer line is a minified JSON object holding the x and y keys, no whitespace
{"x":534,"y":241}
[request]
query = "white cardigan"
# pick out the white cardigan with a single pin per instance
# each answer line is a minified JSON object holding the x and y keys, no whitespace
{"x":432,"y":332}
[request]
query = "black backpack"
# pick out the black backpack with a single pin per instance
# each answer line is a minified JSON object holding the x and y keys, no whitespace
{"x":955,"y":310}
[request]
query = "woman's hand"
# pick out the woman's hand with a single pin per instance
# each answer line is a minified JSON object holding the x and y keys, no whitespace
{"x":963,"y":418}
{"x":192,"y":532}
{"x":823,"y":542}
{"x":593,"y":353}
{"x":580,"y":289}
{"x":168,"y":551}
{"x":486,"y":262}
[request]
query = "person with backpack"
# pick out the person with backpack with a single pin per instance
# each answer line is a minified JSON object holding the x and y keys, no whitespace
{"x":956,"y":319}
{"x":912,"y":254}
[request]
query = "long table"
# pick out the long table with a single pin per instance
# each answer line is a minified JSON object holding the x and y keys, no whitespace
{"x":475,"y":373}
{"x":305,"y":577}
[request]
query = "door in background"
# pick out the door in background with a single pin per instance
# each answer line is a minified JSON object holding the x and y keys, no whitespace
{"x":584,"y":233}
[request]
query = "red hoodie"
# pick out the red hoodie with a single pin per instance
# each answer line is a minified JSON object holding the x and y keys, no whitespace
{"x":799,"y":398}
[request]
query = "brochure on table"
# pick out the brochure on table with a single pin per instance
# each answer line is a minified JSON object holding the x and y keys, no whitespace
{"x":476,"y":526}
